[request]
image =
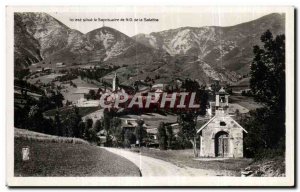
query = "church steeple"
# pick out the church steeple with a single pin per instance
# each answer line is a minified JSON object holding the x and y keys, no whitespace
{"x":115,"y":83}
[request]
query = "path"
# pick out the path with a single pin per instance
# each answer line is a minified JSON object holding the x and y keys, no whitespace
{"x":155,"y":167}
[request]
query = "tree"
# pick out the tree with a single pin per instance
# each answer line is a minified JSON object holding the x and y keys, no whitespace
{"x":69,"y":126}
{"x":266,"y":126}
{"x":98,"y":125}
{"x":88,"y":126}
{"x":267,"y":80}
{"x":215,"y":87}
{"x":35,"y":117}
{"x":57,"y":98}
{"x":48,"y":125}
{"x":58,"y":124}
{"x":92,"y":135}
{"x":170,"y":136}
{"x":89,"y":123}
{"x":162,"y":136}
{"x":187,"y":122}
{"x":78,"y":131}
{"x":140,"y":132}
{"x":117,"y":131}
{"x":107,"y":116}
{"x":92,"y":94}
{"x":81,"y":129}
{"x":190,"y":85}
{"x":201,"y":94}
{"x":228,"y":89}
{"x":202,"y":99}
{"x":21,"y":119}
{"x":108,"y":142}
{"x":129,"y":138}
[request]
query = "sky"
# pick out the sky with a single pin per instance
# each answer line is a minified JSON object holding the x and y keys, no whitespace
{"x":169,"y":18}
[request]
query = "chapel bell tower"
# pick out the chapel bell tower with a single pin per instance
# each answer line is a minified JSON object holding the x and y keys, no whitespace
{"x":222,"y":101}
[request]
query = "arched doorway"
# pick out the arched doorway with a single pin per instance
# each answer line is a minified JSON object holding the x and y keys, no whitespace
{"x":221,"y":144}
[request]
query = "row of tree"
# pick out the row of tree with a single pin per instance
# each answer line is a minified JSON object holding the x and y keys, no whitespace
{"x":116,"y":135}
{"x":266,"y":126}
{"x":165,"y":136}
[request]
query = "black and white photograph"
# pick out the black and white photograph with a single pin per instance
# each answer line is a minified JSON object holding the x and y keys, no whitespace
{"x":157,"y":96}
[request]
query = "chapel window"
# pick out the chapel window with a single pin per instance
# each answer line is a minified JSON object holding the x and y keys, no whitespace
{"x":222,"y":123}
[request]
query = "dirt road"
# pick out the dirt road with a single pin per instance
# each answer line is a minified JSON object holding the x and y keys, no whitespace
{"x":155,"y":167}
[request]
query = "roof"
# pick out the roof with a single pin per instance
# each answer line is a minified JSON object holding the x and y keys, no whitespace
{"x":201,"y":128}
{"x":222,"y":91}
{"x":160,"y":85}
{"x":129,"y":122}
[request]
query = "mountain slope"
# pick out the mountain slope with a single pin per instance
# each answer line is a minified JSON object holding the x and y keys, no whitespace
{"x":220,"y":47}
{"x":55,"y":42}
{"x":51,"y":34}
{"x":26,"y":48}
{"x":201,"y":53}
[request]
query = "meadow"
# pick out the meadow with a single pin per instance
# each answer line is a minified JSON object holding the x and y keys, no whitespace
{"x":53,"y":156}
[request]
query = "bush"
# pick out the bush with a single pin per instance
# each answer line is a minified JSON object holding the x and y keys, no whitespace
{"x":268,"y":154}
{"x":162,"y":136}
{"x":266,"y":134}
{"x":180,"y":143}
{"x":109,"y":141}
{"x":129,"y":138}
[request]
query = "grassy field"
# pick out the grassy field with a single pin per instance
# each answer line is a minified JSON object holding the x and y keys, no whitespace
{"x":31,"y":135}
{"x":186,"y":158}
{"x":83,"y":111}
{"x":247,"y":102}
{"x":58,"y":157}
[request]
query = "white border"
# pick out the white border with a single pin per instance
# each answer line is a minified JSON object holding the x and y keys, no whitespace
{"x":153,"y":181}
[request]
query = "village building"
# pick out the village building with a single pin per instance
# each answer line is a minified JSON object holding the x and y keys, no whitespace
{"x":96,"y":115}
{"x":128,"y":124}
{"x":158,"y":86}
{"x":82,"y":102}
{"x":221,"y":136}
{"x":60,"y":65}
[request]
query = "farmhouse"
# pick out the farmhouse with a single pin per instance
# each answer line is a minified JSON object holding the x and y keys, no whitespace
{"x":129,"y":124}
{"x":221,"y":136}
{"x":60,"y":65}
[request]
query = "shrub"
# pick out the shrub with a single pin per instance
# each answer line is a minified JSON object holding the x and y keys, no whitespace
{"x":268,"y":154}
{"x":162,"y":136}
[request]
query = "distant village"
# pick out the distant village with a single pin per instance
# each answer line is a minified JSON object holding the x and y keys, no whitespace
{"x":186,"y":98}
{"x":85,"y":97}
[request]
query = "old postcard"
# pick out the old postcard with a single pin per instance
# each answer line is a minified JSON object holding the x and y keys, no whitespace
{"x":150,"y":96}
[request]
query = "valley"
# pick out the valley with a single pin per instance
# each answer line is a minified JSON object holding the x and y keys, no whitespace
{"x":205,"y":53}
{"x":74,"y":92}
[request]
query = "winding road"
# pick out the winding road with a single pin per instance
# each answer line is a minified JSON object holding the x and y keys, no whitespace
{"x":155,"y":167}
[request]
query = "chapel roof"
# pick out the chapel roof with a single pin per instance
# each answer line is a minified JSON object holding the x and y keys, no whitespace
{"x":222,"y":92}
{"x":226,"y":116}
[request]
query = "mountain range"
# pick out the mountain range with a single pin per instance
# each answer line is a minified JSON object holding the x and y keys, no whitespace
{"x":202,"y":53}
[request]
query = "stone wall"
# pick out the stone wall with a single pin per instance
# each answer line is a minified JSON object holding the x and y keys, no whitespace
{"x":235,"y":141}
